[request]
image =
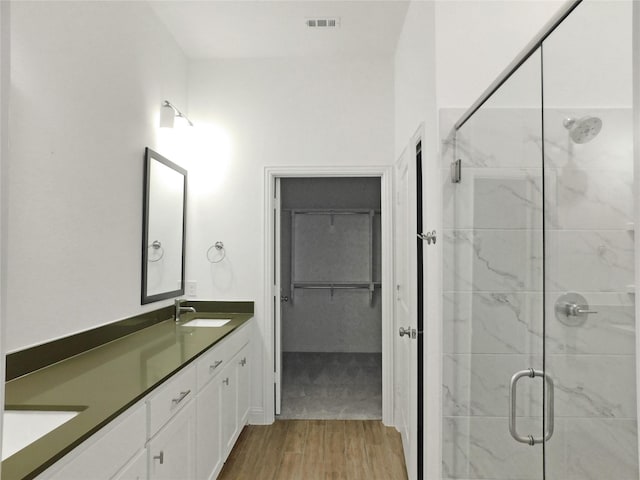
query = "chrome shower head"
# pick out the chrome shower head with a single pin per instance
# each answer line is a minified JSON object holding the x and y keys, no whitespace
{"x":583,"y":130}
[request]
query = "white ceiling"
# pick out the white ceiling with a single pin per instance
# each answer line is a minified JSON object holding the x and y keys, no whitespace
{"x":269,"y":28}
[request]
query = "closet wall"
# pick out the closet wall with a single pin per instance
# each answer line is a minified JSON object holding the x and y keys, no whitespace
{"x":339,"y":249}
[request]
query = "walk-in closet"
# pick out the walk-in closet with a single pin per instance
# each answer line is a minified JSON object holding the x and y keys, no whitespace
{"x":331,"y":308}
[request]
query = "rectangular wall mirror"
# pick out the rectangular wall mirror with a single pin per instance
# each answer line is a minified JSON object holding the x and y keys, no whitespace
{"x":164,"y":223}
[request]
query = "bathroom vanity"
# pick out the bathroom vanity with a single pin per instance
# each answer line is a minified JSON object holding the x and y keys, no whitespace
{"x":167,"y":401}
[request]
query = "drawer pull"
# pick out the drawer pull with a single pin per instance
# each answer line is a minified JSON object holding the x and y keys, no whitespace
{"x":215,"y":365}
{"x":243,"y":362}
{"x":159,"y":457}
{"x":176,"y":401}
{"x":226,"y":381}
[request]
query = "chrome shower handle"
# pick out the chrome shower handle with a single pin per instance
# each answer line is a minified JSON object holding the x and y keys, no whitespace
{"x":551,"y":398}
{"x":513,"y":430}
{"x":575,"y":310}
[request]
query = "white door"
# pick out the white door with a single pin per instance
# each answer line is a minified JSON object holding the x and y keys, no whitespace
{"x":277,"y":295}
{"x":405,"y":302}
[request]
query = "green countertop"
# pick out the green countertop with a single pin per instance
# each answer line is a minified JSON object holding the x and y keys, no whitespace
{"x":103,"y":382}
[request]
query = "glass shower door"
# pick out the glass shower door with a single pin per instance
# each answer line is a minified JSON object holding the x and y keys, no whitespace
{"x":493,"y":287}
{"x":590,"y":336}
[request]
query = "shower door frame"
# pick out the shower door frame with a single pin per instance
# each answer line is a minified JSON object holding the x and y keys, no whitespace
{"x":385,"y":173}
{"x":536,"y":43}
{"x":636,"y":180}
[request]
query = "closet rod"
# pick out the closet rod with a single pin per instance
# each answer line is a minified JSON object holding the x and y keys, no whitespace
{"x":334,"y":287}
{"x":324,"y":211}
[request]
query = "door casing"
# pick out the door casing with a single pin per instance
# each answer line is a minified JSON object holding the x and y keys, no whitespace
{"x":272,"y":292}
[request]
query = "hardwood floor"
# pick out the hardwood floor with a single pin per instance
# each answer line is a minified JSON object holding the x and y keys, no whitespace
{"x":317,"y":450}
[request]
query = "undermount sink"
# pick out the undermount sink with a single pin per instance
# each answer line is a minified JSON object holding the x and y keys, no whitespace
{"x":23,"y":427}
{"x":207,"y":322}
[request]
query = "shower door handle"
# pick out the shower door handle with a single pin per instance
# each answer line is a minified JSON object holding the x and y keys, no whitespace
{"x":549,"y":417}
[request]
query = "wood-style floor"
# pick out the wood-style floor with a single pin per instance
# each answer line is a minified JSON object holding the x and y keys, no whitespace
{"x":317,"y":450}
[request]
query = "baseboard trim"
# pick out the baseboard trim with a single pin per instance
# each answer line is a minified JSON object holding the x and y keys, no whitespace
{"x":257,"y":417}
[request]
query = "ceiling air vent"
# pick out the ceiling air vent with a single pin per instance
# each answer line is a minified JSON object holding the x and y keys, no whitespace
{"x":323,"y":22}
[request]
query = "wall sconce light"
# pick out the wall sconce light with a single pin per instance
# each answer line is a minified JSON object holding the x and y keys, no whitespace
{"x":168,"y":113}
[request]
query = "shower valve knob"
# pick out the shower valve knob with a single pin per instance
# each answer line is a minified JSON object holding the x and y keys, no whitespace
{"x":575,"y":310}
{"x":572,"y":309}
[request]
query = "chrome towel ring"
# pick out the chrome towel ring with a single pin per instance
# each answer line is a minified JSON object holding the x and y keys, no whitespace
{"x":156,"y":245}
{"x":219,"y":246}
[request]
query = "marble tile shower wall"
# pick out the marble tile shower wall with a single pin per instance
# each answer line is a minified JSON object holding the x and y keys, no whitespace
{"x":493,"y":296}
{"x":590,"y":250}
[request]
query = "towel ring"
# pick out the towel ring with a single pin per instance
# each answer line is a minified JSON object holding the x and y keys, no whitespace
{"x":219,"y":246}
{"x":156,"y":245}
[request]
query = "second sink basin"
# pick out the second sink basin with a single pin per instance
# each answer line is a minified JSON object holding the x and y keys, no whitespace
{"x":23,"y":427}
{"x":207,"y":322}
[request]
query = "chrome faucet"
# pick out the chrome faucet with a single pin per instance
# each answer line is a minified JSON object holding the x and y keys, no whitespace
{"x":180,"y":309}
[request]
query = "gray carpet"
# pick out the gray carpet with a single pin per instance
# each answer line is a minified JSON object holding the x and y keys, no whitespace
{"x":324,"y":386}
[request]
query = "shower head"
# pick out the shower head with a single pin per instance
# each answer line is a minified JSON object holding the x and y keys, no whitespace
{"x":583,"y":130}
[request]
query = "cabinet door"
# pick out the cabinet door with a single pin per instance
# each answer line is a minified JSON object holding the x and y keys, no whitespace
{"x":172,"y":453}
{"x":243,"y":374}
{"x":136,"y":469}
{"x":208,"y":435}
{"x":228,"y":407}
{"x":104,"y":454}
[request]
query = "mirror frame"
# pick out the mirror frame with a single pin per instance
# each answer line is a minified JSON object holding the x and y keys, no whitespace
{"x":149,"y":156}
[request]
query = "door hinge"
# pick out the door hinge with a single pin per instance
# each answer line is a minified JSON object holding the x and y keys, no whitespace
{"x":429,"y":237}
{"x":456,"y":171}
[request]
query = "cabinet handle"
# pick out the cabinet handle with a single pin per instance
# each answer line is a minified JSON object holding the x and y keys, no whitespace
{"x":215,"y":365}
{"x":226,"y":381}
{"x":243,"y":362}
{"x":160,"y":457}
{"x":176,"y":401}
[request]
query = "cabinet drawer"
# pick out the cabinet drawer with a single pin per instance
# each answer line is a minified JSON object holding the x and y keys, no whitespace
{"x":169,"y":398}
{"x":214,"y":361}
{"x":217,"y":358}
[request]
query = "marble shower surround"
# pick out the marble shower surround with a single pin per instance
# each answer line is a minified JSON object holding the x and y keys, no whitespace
{"x":323,"y":386}
{"x":493,"y":297}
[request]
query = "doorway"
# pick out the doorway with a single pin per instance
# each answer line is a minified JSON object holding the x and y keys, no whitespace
{"x":331,"y":309}
{"x":273,"y":272}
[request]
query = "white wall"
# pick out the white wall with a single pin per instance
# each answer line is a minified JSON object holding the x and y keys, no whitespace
{"x":273,"y":112}
{"x":5,"y":66}
{"x":636,"y":179}
{"x":476,"y":40}
{"x":87,"y":80}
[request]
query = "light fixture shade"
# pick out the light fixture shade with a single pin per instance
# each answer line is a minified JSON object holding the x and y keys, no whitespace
{"x":167,"y":116}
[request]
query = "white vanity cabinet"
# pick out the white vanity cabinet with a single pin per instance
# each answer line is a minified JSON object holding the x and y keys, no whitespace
{"x":243,"y":369}
{"x":136,"y":469}
{"x":183,"y":429}
{"x":172,"y":452}
{"x":209,"y":449}
{"x":222,"y":401}
{"x":234,"y":407}
{"x":106,"y":453}
{"x":172,"y":427}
